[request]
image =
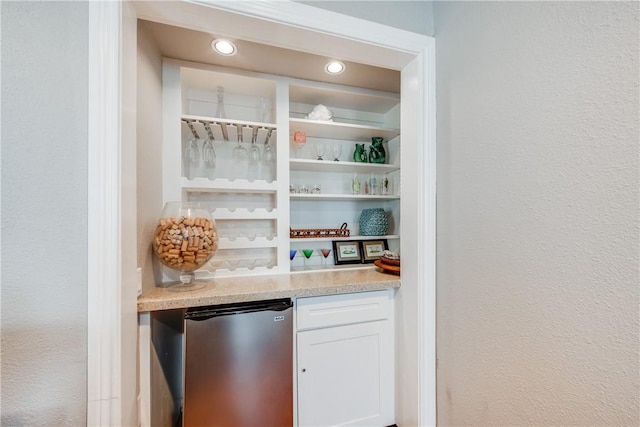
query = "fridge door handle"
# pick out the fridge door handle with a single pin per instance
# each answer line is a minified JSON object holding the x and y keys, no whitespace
{"x":205,"y":313}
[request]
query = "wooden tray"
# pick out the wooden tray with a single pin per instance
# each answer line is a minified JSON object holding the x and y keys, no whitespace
{"x":319,"y":232}
{"x":395,"y":269}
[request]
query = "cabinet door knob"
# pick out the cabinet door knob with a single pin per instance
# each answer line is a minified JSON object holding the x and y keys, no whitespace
{"x":304,"y":370}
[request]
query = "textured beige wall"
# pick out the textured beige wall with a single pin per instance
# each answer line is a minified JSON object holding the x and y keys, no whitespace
{"x":538,"y":207}
{"x":44,"y":213}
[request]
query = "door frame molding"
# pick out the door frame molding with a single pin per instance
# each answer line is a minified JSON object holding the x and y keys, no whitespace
{"x":300,"y":27}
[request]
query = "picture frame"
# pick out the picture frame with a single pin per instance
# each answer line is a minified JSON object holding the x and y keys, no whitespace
{"x":372,"y":250}
{"x":347,"y":252}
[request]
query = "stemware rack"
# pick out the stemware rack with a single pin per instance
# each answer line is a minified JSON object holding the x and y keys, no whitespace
{"x":218,"y":129}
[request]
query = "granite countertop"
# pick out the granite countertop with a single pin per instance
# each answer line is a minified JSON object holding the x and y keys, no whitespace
{"x":254,"y":288}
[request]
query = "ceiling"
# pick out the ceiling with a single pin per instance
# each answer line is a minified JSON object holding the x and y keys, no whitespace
{"x":189,"y":45}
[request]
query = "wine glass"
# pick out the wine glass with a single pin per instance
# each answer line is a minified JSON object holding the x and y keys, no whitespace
{"x":191,"y":158}
{"x":337,"y":150}
{"x":307,"y":254}
{"x":240,"y":157}
{"x":320,"y":151}
{"x":255,"y":157}
{"x":325,"y":253}
{"x":209,"y":157}
{"x":268,"y":161}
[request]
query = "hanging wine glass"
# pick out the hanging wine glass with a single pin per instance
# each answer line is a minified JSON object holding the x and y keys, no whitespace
{"x":337,"y":151}
{"x":240,"y":157}
{"x":209,"y":157}
{"x":307,"y":254}
{"x":268,"y":161}
{"x":320,"y":151}
{"x":255,"y":158}
{"x":192,"y":158}
{"x":325,"y":253}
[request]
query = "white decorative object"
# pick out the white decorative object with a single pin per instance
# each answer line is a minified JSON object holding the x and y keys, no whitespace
{"x":320,"y":112}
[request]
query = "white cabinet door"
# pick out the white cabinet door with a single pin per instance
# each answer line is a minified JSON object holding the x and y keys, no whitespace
{"x":345,"y":376}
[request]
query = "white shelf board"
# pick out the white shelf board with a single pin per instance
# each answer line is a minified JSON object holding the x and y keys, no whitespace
{"x":333,"y":166}
{"x":329,"y":239}
{"x":344,"y":131}
{"x":240,"y":271}
{"x":241,"y":213}
{"x":228,"y":186}
{"x":246,"y":243}
{"x":330,"y":267}
{"x":321,"y":197}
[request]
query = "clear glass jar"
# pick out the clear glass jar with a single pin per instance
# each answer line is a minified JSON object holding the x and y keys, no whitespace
{"x":186,"y":238}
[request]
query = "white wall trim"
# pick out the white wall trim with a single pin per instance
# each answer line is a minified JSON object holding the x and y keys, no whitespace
{"x":104,"y":243}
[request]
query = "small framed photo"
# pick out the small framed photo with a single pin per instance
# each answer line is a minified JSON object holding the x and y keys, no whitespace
{"x":347,"y":252}
{"x":373,"y":250}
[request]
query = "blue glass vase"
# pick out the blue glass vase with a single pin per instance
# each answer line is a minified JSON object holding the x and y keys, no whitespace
{"x":374,"y":222}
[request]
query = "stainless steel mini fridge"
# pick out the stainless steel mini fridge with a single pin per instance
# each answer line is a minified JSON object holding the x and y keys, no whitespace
{"x":238,"y":367}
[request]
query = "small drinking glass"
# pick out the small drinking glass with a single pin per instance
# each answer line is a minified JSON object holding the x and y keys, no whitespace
{"x":299,"y":139}
{"x":292,"y":254}
{"x":337,"y":151}
{"x":315,"y":189}
{"x":320,"y":151}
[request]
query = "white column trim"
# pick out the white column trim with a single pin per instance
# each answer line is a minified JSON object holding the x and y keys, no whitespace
{"x":427,"y":246}
{"x":104,"y":243}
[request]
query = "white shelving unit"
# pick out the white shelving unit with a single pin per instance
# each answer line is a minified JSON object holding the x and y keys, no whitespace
{"x":254,"y":213}
{"x":359,"y":116}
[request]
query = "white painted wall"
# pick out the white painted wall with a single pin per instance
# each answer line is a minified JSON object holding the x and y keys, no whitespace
{"x":412,"y":15}
{"x":538,"y":207}
{"x":149,"y":146}
{"x":44,"y":213}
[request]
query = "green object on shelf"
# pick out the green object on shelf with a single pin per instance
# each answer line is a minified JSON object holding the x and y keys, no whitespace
{"x":360,"y":154}
{"x":377,"y":153}
{"x":307,"y":253}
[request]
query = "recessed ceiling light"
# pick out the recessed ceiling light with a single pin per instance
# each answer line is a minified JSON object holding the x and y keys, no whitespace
{"x":224,"y":47}
{"x":334,"y":67}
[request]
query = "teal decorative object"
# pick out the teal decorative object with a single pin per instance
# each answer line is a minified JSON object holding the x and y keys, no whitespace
{"x":360,"y":154}
{"x":373,"y":222}
{"x":377,"y":153}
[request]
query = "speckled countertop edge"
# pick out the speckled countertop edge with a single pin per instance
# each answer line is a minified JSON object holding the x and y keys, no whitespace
{"x":255,"y":288}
